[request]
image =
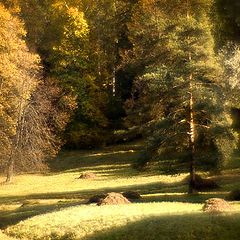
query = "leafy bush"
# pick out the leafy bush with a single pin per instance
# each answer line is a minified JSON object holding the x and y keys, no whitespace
{"x":82,"y":136}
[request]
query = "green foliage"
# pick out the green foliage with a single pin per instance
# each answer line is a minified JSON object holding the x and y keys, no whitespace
{"x":80,"y":135}
{"x":60,"y":33}
{"x":94,"y":50}
{"x":80,"y":43}
{"x":227,"y":20}
{"x":69,"y":54}
{"x":230,"y":59}
{"x":188,"y":66}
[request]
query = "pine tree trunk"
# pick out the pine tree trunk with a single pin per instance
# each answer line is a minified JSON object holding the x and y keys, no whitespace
{"x":114,"y":82}
{"x":192,"y":140}
{"x":192,"y":134}
{"x":192,"y":171}
{"x":115,"y":43}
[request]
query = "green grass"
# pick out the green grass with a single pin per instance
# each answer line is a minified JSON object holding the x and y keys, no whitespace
{"x":51,"y":206}
{"x":85,"y":220}
{"x":153,"y":220}
{"x":176,"y":227}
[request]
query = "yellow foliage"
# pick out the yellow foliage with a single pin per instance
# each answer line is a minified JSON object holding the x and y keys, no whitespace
{"x":18,"y":70}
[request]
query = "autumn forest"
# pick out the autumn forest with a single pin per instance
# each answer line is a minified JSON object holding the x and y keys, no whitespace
{"x":142,"y":91}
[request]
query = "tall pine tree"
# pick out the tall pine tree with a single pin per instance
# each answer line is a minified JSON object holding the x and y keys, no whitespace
{"x":192,"y":123}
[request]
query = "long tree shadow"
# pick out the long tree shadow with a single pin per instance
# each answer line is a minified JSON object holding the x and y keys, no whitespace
{"x":182,"y":197}
{"x":155,"y":190}
{"x":152,"y":192}
{"x":145,"y":188}
{"x":62,"y":200}
{"x":68,"y":160}
{"x":24,"y":211}
{"x":197,"y":226}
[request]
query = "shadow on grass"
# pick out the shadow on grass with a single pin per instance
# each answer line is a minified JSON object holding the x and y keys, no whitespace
{"x":155,"y":187}
{"x":11,"y":217}
{"x":108,"y":162}
{"x":175,"y":227}
{"x":70,"y":160}
{"x":183,"y":197}
{"x":153,"y":192}
{"x":111,"y":171}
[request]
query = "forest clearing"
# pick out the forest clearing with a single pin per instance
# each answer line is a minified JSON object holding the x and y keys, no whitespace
{"x":119,"y":119}
{"x":53,"y":206}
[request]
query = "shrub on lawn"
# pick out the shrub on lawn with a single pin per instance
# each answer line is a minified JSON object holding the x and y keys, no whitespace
{"x":96,"y":198}
{"x":202,"y":184}
{"x":132,"y":195}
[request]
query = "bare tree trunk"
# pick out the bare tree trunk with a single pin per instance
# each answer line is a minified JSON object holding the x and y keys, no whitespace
{"x":10,"y":169}
{"x":16,"y":140}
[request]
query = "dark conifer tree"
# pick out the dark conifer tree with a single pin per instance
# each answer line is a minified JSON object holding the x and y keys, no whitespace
{"x":192,"y":123}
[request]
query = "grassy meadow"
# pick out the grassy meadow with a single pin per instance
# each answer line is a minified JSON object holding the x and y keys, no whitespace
{"x":52,"y":205}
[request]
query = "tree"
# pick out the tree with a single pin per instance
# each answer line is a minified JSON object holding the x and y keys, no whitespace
{"x":41,"y":127}
{"x":92,"y":60}
{"x":108,"y":38}
{"x":18,"y":80}
{"x":59,"y":32}
{"x":70,"y":63}
{"x":192,"y":122}
{"x":230,"y":59}
{"x":28,"y":134}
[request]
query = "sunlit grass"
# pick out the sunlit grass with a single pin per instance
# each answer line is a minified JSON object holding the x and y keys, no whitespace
{"x":68,"y":182}
{"x":82,"y":221}
{"x":85,"y":220}
{"x":112,"y":167}
{"x":5,"y":237}
{"x":50,"y":206}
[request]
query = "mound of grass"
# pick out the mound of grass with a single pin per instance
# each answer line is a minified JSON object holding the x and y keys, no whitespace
{"x":216,"y":205}
{"x":113,"y":199}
